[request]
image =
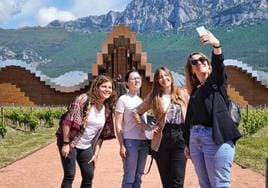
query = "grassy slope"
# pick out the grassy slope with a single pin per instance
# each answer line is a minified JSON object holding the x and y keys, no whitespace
{"x":77,"y":51}
{"x":252,"y":151}
{"x":17,"y":144}
{"x":249,"y":44}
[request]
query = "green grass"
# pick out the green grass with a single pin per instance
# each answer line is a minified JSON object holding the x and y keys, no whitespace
{"x":252,"y":151}
{"x":17,"y":144}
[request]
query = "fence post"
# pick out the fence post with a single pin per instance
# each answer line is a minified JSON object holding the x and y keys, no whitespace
{"x":247,"y":111}
{"x":266,"y":173}
{"x":2,"y":115}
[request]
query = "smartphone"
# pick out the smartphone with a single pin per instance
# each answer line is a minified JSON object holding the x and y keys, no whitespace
{"x":201,"y":30}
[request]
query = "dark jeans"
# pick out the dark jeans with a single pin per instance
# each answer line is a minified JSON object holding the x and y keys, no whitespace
{"x":170,"y":158}
{"x":82,"y":156}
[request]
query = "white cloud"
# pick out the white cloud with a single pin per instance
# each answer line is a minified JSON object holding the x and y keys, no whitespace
{"x":18,"y":13}
{"x":9,"y":8}
{"x":46,"y":15}
{"x":15,"y":13}
{"x":96,"y":7}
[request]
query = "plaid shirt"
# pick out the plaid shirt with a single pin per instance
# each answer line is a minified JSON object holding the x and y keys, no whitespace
{"x":75,"y":120}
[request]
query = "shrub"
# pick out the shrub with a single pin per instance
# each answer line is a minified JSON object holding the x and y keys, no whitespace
{"x":254,"y":120}
{"x":3,"y":129}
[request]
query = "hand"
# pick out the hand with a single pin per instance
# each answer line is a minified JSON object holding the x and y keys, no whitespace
{"x":65,"y":150}
{"x":142,"y":126}
{"x":123,"y":152}
{"x":209,"y":39}
{"x":93,"y":159}
{"x":156,"y":129}
{"x":187,"y":152}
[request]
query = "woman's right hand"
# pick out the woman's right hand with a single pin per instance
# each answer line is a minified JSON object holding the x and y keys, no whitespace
{"x":187,"y":152}
{"x":65,"y":150}
{"x":123,"y":152}
{"x":142,"y":126}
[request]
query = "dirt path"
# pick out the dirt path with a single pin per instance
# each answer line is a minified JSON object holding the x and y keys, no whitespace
{"x":42,"y":169}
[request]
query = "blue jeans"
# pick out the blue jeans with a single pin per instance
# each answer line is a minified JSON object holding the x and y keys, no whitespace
{"x":82,"y":156}
{"x":212,"y":162}
{"x":134,"y":163}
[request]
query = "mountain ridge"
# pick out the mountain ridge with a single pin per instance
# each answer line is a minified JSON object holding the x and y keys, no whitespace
{"x":173,"y":15}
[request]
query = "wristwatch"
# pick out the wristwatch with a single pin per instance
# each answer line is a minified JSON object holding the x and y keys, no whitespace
{"x":66,"y":143}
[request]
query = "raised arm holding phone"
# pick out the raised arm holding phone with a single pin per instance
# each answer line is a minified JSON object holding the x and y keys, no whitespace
{"x":209,"y":131}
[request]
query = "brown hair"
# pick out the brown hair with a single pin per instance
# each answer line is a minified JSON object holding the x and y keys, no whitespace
{"x":190,"y":78}
{"x":93,"y":92}
{"x":157,"y":91}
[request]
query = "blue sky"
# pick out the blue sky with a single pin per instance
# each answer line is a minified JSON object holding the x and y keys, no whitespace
{"x":20,"y":13}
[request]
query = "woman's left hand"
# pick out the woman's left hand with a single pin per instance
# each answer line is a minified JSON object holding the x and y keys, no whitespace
{"x":156,"y":129}
{"x":209,"y":39}
{"x":187,"y":152}
{"x":93,"y":159}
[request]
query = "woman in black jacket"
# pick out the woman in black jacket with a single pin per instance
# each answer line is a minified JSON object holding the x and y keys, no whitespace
{"x":209,"y":131}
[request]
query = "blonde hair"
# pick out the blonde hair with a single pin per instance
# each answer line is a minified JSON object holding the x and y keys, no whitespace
{"x":157,"y":91}
{"x":190,"y":78}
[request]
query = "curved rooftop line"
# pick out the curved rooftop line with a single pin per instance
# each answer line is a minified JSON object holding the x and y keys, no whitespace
{"x":179,"y":79}
{"x":51,"y":82}
{"x":260,"y":76}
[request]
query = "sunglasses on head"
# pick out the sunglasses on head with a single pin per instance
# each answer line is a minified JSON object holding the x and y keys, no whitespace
{"x":200,"y":59}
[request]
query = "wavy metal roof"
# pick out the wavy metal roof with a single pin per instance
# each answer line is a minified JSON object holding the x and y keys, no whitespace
{"x":51,"y":82}
{"x":260,"y":76}
{"x":179,"y":79}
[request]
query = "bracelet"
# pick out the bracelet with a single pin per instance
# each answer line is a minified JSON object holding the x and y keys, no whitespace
{"x":217,"y":46}
{"x":66,"y":143}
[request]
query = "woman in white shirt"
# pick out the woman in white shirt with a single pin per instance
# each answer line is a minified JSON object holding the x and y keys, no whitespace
{"x":134,"y":146}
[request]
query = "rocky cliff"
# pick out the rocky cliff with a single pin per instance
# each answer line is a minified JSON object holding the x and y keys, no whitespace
{"x":161,"y":15}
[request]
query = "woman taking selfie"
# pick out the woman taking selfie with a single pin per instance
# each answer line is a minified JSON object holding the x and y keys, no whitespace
{"x":209,"y":131}
{"x":87,"y":122}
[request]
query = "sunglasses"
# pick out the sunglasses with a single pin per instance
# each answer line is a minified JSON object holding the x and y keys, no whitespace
{"x":200,"y":59}
{"x":135,"y":78}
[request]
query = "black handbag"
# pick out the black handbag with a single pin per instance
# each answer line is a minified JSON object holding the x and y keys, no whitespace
{"x":234,"y":110}
{"x":233,"y":107}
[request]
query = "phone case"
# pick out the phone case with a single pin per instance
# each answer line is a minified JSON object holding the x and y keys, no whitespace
{"x":201,"y":30}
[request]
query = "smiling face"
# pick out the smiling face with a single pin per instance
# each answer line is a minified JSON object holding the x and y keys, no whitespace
{"x":134,"y":81}
{"x":105,"y":90}
{"x":199,"y":65}
{"x":164,"y":79}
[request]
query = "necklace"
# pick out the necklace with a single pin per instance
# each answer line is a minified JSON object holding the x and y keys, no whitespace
{"x":201,"y":83}
{"x":98,"y":106}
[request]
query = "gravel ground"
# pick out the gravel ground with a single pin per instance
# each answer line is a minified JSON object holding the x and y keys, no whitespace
{"x":42,"y":169}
